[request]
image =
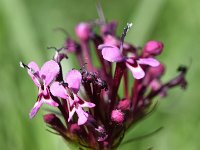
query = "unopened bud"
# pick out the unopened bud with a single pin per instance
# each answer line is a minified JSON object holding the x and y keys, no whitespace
{"x":74,"y":128}
{"x":124,"y":105}
{"x":71,"y":46}
{"x":54,"y":121}
{"x":157,"y":72}
{"x":83,"y":31}
{"x":117,"y":116}
{"x":153,"y":47}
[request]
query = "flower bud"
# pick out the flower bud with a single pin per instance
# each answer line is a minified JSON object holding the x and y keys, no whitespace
{"x":74,"y":128}
{"x":83,"y":31}
{"x":117,"y":116}
{"x":105,"y":144}
{"x":54,"y":121}
{"x":71,"y":46}
{"x":109,"y":28}
{"x":124,"y":105}
{"x":157,"y":72}
{"x":155,"y":85}
{"x":153,"y":47}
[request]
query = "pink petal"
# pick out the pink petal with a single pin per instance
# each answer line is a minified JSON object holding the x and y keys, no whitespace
{"x":83,"y":103}
{"x":111,"y":40}
{"x":49,"y":71}
{"x":87,"y":104}
{"x":137,"y":72}
{"x":82,"y":116}
{"x":58,"y":90}
{"x":149,"y":61}
{"x":50,"y":102}
{"x":73,"y":78}
{"x":34,"y":74}
{"x":35,"y":109}
{"x":111,"y":53}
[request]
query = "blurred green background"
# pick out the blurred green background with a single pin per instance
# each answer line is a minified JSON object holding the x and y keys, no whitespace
{"x":26,"y":29}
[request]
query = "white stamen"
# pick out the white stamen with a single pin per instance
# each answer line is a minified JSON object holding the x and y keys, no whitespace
{"x":129,"y":25}
{"x":56,"y":55}
{"x":21,"y":64}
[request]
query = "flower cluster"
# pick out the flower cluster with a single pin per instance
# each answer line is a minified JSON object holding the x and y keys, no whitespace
{"x":93,"y":112}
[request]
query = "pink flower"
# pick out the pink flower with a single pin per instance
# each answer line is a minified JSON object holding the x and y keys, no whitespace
{"x":75,"y":103}
{"x":42,"y":78}
{"x":113,"y":54}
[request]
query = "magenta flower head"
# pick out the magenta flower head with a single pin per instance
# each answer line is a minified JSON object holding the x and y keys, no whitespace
{"x":42,"y":78}
{"x":93,"y":113}
{"x":83,"y":31}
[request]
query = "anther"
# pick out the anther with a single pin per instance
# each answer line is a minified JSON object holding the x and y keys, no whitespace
{"x":126,"y":29}
{"x":23,"y":65}
{"x":26,"y":67}
{"x":182,"y":69}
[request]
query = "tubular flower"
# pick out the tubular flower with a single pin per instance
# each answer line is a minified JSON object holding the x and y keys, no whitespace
{"x":69,"y":93}
{"x":42,"y":78}
{"x":112,"y":53}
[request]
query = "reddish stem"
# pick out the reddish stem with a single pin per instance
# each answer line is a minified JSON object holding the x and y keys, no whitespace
{"x":97,"y":41}
{"x":86,"y":54}
{"x":126,"y":84}
{"x":119,"y":70}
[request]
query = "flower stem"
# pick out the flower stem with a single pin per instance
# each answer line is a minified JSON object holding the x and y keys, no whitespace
{"x":119,"y":71}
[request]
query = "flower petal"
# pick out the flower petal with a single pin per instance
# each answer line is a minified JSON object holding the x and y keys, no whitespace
{"x":111,"y":40}
{"x":34,"y":72}
{"x":87,"y":104}
{"x":149,"y":61}
{"x":58,"y":90}
{"x":50,"y":102}
{"x":49,"y":71}
{"x":137,"y":71}
{"x":73,"y":78}
{"x":82,"y":116}
{"x":35,"y":109}
{"x":111,"y":53}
